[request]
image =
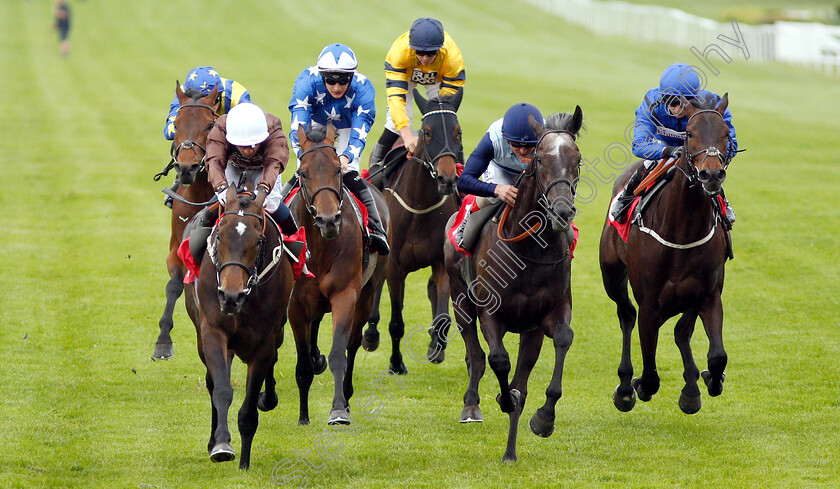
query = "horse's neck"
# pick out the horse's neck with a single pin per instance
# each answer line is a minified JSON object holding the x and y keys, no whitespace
{"x":416,"y":185}
{"x":526,"y":212}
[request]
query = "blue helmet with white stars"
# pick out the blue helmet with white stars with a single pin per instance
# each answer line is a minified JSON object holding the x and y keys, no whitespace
{"x":337,"y":58}
{"x":204,"y":79}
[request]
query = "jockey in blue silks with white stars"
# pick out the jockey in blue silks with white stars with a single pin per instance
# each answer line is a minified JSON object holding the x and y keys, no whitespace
{"x":660,"y":129}
{"x":332,"y":90}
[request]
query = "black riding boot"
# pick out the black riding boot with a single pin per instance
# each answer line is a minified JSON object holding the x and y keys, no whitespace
{"x":385,"y":143}
{"x":205,"y":220}
{"x":288,"y":186}
{"x":379,"y":241}
{"x":626,"y":197}
{"x":167,"y":200}
{"x":730,"y":212}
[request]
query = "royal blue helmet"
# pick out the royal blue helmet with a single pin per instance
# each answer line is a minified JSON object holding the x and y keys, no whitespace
{"x":515,"y":125}
{"x":203,"y":78}
{"x":426,"y":34}
{"x":337,"y":58}
{"x":680,"y":79}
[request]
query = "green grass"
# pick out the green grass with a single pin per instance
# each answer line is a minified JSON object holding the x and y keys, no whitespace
{"x":756,"y":11}
{"x":85,"y":235}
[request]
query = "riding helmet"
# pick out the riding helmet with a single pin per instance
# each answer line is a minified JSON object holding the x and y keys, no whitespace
{"x":203,"y":78}
{"x":426,"y":34}
{"x":246,"y":125}
{"x":515,"y":125}
{"x":680,"y":79}
{"x":337,"y":58}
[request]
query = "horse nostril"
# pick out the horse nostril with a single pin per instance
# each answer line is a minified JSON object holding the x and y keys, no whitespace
{"x":337,"y":220}
{"x":319,"y":221}
{"x":721,"y":174}
{"x":704,"y":175}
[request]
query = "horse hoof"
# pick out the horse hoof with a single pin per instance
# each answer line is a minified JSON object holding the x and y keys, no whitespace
{"x":715,"y":388}
{"x":163,"y":351}
{"x":370,"y":340}
{"x":338,"y":416}
{"x":398,"y":369}
{"x":515,"y":395}
{"x":303,"y":421}
{"x":266,"y":403}
{"x":689,"y":404}
{"x":637,"y":386}
{"x":541,"y":426}
{"x":436,"y":354}
{"x":320,"y":365}
{"x":222,"y":452}
{"x":624,"y":403}
{"x":471,"y":414}
{"x":509,"y":457}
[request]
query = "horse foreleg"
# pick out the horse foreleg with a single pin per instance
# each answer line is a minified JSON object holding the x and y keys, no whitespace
{"x":268,"y":398}
{"x":712,"y":316}
{"x":248,"y":419}
{"x":529,"y":350}
{"x":218,"y":372}
{"x":174,"y":289}
{"x":352,"y":349}
{"x":370,"y":341}
{"x":649,"y":323}
{"x":396,"y":327}
{"x":304,"y":370}
{"x":343,"y":306}
{"x":438,"y":290}
{"x":690,"y":397}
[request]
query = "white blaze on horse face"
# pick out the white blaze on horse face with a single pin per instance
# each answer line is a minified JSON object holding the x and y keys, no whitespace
{"x":560,"y":140}
{"x":240,"y":228}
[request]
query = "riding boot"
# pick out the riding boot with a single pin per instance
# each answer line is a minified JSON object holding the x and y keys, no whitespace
{"x":205,"y":220}
{"x":730,"y":212}
{"x":385,"y":143}
{"x":167,"y":199}
{"x":626,"y":197}
{"x":379,"y":241}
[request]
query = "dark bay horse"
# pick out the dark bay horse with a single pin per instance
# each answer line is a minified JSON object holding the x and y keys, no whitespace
{"x":346,"y":276}
{"x":194,"y":120}
{"x":238,"y":304}
{"x":519,"y":280}
{"x":421,"y":197}
{"x":674,"y":260}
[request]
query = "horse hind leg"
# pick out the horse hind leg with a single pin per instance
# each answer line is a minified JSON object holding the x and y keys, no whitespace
{"x":370,"y":339}
{"x":258,"y":371}
{"x":648,"y":384}
{"x":690,"y":396}
{"x":712,"y":316}
{"x":268,"y":398}
{"x":614,"y":276}
{"x":542,"y":422}
{"x":396,"y":327}
{"x":174,"y":289}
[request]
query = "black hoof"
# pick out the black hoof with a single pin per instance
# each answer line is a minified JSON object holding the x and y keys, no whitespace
{"x":715,"y":387}
{"x":436,"y":354}
{"x":637,"y":386}
{"x":320,"y":364}
{"x":222,"y":452}
{"x":471,"y":414}
{"x":541,"y":426}
{"x":338,"y":416}
{"x":303,"y":421}
{"x":689,"y":404}
{"x":509,"y":457}
{"x":370,"y":340}
{"x":163,"y":351}
{"x":624,"y":403}
{"x":266,"y":402}
{"x":515,"y":395}
{"x":398,"y":369}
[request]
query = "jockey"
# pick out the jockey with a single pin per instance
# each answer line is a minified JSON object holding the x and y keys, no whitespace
{"x":424,"y":55}
{"x":247,"y":148}
{"x":204,"y":79}
{"x":660,"y":130}
{"x":332,"y":90}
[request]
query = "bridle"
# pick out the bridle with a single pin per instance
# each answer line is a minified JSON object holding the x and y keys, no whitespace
{"x":174,"y":151}
{"x":252,"y":272}
{"x":309,"y":200}
{"x":431,"y":163}
{"x":725,"y":159}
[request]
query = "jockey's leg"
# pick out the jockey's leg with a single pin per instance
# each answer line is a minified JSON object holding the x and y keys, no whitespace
{"x":284,"y":218}
{"x":379,"y":242}
{"x":730,"y":212}
{"x":385,"y":143}
{"x":626,"y":197}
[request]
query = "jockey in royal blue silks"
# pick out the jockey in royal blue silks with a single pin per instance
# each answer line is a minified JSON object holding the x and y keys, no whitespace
{"x":660,"y":129}
{"x":332,"y":90}
{"x":204,"y":79}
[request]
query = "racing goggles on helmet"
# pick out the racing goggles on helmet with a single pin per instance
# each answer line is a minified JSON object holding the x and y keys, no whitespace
{"x":340,"y":78}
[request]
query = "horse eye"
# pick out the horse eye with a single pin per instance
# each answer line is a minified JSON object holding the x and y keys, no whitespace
{"x":211,"y":125}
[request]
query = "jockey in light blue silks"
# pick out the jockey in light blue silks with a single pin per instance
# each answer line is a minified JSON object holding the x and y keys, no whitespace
{"x":660,"y":129}
{"x":332,"y":90}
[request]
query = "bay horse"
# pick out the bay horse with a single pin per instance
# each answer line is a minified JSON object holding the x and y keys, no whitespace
{"x":520,"y":282}
{"x":674,"y":260}
{"x":194,"y":120}
{"x":421,"y":197}
{"x":346,"y":276}
{"x":238,"y":304}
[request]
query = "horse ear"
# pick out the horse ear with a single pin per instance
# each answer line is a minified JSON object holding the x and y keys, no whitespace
{"x":260,"y":200}
{"x":455,"y":100}
{"x":421,"y":102}
{"x":180,"y":93}
{"x":301,"y":130}
{"x":576,"y":122}
{"x":536,"y":125}
{"x":723,"y":104}
{"x":690,"y":108}
{"x":230,"y":195}
{"x":330,"y":138}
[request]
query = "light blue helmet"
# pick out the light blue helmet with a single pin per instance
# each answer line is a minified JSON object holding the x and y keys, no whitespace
{"x":337,"y":58}
{"x":680,"y":79}
{"x":204,"y":79}
{"x":426,"y":34}
{"x":515,"y":125}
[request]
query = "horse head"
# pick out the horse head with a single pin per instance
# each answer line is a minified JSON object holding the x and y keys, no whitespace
{"x":557,"y":162}
{"x":440,"y":138}
{"x":237,"y":248}
{"x":195,"y":118}
{"x":707,"y":141}
{"x":320,"y":178}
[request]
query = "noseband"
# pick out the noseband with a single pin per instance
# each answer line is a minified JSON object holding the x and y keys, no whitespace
{"x":725,"y":159}
{"x":309,"y":200}
{"x":188,"y":144}
{"x":431,"y":164}
{"x":252,"y":271}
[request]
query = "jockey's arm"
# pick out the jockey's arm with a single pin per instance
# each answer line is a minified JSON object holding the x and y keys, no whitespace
{"x":477,"y":163}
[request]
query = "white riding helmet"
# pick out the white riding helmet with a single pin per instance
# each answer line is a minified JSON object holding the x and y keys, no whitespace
{"x":246,"y":125}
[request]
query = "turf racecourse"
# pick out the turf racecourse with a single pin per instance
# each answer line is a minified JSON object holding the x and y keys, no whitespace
{"x":84,"y":234}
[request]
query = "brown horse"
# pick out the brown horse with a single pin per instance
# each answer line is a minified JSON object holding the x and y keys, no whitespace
{"x":420,"y":198}
{"x":520,"y":282}
{"x":674,"y":259}
{"x":194,"y":120}
{"x":346,"y":275}
{"x":238,"y":305}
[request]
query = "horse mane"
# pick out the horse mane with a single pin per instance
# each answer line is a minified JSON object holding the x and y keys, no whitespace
{"x":316,"y":132}
{"x":705,"y":103}
{"x":194,"y":93}
{"x":559,"y":120}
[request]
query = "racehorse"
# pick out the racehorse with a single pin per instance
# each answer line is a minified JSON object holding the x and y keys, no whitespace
{"x":674,"y":259}
{"x":421,"y":198}
{"x":346,"y":276}
{"x":194,"y":120}
{"x":238,"y":305}
{"x":520,"y":282}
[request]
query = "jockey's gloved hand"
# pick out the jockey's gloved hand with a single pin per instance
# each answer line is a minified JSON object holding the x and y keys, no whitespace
{"x":221,"y":193}
{"x":672,"y":151}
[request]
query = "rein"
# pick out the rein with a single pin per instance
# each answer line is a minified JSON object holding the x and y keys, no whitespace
{"x":309,"y":200}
